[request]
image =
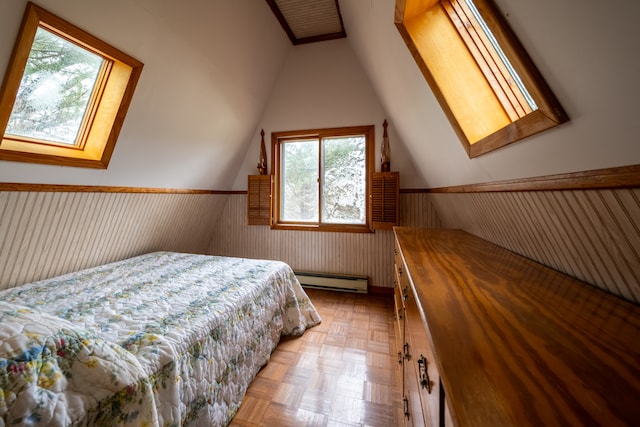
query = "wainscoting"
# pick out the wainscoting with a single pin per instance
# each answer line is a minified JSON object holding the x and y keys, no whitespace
{"x":340,"y":253}
{"x":593,"y":235}
{"x":589,"y":233}
{"x":48,"y":233}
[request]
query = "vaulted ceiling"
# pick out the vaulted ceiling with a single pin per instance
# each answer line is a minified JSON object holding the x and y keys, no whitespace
{"x":218,"y":71}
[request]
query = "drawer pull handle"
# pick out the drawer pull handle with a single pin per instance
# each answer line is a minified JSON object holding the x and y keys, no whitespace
{"x":425,"y":381}
{"x":400,"y":270}
{"x":406,"y":351}
{"x":406,"y":407}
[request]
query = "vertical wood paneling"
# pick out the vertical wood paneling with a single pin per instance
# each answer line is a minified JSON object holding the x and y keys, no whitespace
{"x":621,"y":215}
{"x":44,"y":234}
{"x":416,"y":210}
{"x":575,"y":254}
{"x":345,"y":253}
{"x":593,"y":235}
{"x":535,"y":230}
{"x":587,"y":232}
{"x":552,"y":233}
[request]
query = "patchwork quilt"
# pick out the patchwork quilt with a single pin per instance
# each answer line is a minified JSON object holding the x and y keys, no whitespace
{"x":163,"y":339}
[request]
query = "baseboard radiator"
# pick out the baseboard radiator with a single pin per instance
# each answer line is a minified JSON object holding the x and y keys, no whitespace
{"x":333,"y":282}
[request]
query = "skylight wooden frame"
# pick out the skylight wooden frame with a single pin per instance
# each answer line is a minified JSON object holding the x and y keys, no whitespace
{"x":460,"y":86}
{"x":106,"y":110}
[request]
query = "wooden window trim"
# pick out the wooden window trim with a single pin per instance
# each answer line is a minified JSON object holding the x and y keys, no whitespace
{"x":276,"y":137}
{"x":107,"y":109}
{"x":410,"y":14}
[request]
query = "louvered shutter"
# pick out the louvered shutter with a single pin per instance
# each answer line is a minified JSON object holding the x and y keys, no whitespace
{"x":385,"y":197}
{"x":259,"y":200}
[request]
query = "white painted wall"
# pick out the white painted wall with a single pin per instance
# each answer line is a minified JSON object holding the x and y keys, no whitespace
{"x":322,"y":85}
{"x":215,"y":74}
{"x":587,"y":50}
{"x":209,"y":68}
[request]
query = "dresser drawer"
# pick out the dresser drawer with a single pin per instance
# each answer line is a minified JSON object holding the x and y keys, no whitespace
{"x":420,"y":364}
{"x":515,"y":343}
{"x":398,"y":316}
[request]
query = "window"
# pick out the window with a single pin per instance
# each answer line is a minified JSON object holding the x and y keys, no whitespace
{"x":489,"y":88}
{"x":65,"y":94}
{"x":323,"y":179}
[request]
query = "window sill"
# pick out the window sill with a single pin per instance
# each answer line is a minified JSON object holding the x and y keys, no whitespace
{"x":333,"y":228}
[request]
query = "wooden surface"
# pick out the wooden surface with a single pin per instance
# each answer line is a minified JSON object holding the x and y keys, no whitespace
{"x":453,"y":77}
{"x":66,"y":188}
{"x":259,"y":200}
{"x":108,"y":106}
{"x":385,"y":200}
{"x":517,"y":343}
{"x":620,"y":177}
{"x":420,"y":351}
{"x":338,"y":373}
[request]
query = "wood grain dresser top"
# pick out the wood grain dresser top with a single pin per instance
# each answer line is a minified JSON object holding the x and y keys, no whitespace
{"x":518,"y":343}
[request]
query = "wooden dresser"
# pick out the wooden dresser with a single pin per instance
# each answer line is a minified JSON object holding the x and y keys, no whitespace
{"x":486,"y":337}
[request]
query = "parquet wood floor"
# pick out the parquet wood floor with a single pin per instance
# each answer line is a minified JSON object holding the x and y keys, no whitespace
{"x":342,"y":372}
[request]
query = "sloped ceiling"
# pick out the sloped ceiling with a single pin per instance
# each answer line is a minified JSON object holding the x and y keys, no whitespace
{"x":584,"y":51}
{"x":211,"y":66}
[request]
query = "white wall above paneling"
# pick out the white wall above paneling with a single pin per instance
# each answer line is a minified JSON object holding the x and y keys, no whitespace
{"x":322,"y":85}
{"x":209,"y":68}
{"x":218,"y":71}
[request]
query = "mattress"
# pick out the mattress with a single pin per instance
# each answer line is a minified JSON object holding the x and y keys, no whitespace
{"x":162,"y":339}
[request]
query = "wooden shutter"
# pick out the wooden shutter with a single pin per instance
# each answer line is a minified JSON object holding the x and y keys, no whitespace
{"x":385,"y":197}
{"x":259,"y":200}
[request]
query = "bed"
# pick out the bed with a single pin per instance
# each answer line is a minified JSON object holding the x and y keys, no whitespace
{"x":162,"y":339}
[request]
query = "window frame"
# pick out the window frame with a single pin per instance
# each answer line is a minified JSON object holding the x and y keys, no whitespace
{"x":277,"y":138}
{"x":410,"y":18}
{"x":104,"y":115}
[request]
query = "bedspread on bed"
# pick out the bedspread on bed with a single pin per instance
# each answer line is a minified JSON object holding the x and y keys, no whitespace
{"x":51,"y":372}
{"x":197,"y":342}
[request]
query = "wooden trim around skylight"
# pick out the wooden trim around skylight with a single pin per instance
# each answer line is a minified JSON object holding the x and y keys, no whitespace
{"x":479,"y":109}
{"x":105,"y":114}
